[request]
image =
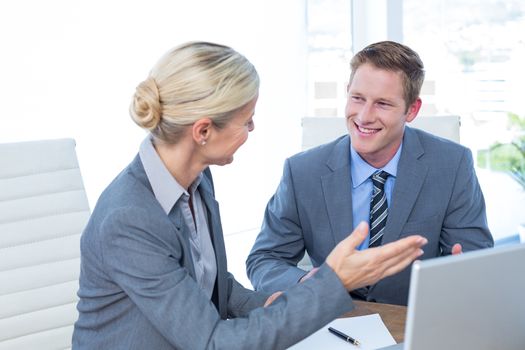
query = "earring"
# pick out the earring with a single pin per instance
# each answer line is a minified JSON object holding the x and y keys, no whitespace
{"x":203,"y":142}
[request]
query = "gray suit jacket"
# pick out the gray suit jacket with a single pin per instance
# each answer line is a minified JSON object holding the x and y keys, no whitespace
{"x":436,"y":194}
{"x":138,"y":291}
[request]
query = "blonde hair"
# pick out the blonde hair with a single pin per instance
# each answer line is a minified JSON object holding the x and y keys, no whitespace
{"x":192,"y":81}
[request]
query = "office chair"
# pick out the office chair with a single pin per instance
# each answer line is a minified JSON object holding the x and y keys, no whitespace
{"x":319,"y":130}
{"x":43,"y":209}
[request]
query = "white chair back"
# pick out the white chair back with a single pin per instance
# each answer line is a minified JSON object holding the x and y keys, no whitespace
{"x":319,"y":130}
{"x":43,"y":210}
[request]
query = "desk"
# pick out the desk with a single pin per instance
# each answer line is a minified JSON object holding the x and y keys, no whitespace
{"x":394,"y":316}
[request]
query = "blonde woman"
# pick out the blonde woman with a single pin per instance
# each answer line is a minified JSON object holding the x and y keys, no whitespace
{"x":153,"y":270}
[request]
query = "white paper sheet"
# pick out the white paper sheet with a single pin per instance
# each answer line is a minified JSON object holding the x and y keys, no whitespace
{"x":369,"y":330}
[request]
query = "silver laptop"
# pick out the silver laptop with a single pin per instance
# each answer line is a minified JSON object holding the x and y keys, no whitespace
{"x":475,"y":300}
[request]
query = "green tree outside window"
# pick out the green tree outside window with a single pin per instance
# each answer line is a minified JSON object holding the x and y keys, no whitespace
{"x":508,"y":157}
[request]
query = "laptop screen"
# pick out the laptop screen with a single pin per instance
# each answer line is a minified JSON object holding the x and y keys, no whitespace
{"x":475,"y":300}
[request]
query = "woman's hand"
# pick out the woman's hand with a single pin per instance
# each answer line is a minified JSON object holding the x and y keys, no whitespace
{"x":358,"y":269}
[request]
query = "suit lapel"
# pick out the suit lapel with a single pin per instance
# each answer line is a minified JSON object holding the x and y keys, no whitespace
{"x":215,"y":227}
{"x":337,"y":190}
{"x":411,"y":173}
{"x":182,"y":230}
{"x":175,"y":216}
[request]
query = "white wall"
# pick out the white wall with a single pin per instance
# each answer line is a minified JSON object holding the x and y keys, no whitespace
{"x":69,"y":69}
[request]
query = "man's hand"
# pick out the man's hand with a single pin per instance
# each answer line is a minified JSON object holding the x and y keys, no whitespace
{"x":357,"y":269}
{"x":457,"y":249}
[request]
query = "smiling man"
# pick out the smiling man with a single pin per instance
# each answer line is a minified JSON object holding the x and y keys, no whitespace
{"x":400,"y":180}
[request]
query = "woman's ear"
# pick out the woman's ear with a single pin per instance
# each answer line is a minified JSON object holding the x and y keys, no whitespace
{"x":201,"y":130}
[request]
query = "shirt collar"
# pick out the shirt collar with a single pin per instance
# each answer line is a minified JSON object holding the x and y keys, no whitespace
{"x":166,"y":189}
{"x":361,"y":170}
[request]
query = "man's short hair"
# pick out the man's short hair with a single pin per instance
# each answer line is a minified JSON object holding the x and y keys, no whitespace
{"x":395,"y":57}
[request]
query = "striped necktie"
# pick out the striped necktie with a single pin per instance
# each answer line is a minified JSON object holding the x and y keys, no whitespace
{"x":378,"y":209}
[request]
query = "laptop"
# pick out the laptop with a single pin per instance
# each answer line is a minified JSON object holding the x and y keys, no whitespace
{"x":474,"y":300}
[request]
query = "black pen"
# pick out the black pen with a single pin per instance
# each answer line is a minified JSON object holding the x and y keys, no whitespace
{"x":344,"y":336}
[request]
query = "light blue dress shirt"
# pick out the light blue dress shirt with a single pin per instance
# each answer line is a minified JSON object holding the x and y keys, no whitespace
{"x":362,"y":187}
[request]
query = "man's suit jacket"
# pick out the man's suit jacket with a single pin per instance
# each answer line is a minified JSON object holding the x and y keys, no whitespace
{"x":436,"y":194}
{"x":138,"y":288}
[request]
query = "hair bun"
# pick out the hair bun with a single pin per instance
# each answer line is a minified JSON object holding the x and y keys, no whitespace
{"x":145,"y":107}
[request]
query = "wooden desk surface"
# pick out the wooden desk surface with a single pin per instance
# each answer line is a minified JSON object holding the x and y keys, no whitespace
{"x":394,"y":316}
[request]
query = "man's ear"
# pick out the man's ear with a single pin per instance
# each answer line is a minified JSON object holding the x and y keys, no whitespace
{"x":413,"y":110}
{"x":201,"y":130}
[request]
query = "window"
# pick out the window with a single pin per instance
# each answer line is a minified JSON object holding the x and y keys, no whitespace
{"x":474,"y":53}
{"x":329,"y":43}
